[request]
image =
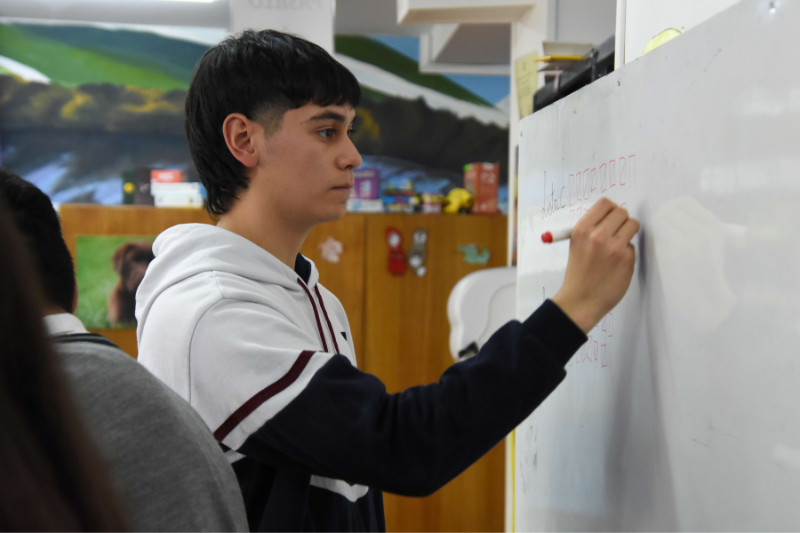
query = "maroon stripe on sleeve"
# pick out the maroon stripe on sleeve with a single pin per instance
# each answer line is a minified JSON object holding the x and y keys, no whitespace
{"x":328,"y":320}
{"x":253,"y":403}
{"x":316,"y":314}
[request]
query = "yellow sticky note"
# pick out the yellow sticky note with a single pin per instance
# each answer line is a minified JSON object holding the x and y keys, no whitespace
{"x":661,"y":38}
{"x":526,"y":76}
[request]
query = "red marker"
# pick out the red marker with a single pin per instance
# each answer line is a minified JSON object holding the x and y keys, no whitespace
{"x":555,"y":236}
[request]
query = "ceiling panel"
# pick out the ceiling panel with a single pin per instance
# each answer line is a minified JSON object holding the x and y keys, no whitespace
{"x":478,"y":44}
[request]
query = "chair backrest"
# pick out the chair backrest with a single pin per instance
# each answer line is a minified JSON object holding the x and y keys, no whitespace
{"x":479,"y":305}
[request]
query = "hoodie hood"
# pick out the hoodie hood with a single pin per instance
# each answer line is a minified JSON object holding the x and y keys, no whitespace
{"x":186,"y":250}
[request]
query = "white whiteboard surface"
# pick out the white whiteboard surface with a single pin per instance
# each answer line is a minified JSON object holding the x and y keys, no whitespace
{"x":644,"y":19}
{"x":682,"y":412}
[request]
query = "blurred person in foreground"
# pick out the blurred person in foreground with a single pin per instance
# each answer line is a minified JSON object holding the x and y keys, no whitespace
{"x":164,"y":464}
{"x":51,"y":478}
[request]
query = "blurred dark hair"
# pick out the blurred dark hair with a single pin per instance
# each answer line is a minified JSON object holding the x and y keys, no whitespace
{"x":51,"y":475}
{"x":36,"y":218}
{"x":260,"y":75}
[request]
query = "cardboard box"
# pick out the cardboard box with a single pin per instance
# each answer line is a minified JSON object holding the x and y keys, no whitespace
{"x":364,"y":205}
{"x":166,"y":176}
{"x":366,"y":184}
{"x":178,"y":200}
{"x":481,"y":180}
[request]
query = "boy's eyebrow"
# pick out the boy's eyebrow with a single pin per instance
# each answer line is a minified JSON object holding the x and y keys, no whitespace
{"x":331,"y":115}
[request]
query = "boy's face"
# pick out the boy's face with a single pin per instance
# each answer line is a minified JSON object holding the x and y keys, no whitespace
{"x":308,"y":163}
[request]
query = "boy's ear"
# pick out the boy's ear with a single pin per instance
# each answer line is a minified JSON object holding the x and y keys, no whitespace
{"x":239,"y":132}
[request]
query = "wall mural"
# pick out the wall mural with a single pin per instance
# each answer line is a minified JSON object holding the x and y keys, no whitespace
{"x":81,"y":104}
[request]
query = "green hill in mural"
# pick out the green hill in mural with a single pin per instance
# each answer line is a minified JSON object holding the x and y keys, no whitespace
{"x":177,"y":57}
{"x":76,"y":55}
{"x":378,"y":54}
{"x":73,"y":56}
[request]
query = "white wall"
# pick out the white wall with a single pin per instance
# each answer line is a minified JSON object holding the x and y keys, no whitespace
{"x":584,"y":21}
{"x":311,"y":19}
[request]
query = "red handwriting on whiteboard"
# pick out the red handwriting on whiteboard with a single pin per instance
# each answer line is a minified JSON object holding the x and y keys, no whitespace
{"x":612,"y":173}
{"x":587,"y":184}
{"x":617,"y":172}
{"x":603,"y":178}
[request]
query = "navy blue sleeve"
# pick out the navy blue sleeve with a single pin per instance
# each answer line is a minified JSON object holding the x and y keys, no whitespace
{"x":345,"y":425}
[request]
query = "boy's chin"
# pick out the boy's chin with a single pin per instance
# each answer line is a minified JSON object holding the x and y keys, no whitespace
{"x":333,"y":214}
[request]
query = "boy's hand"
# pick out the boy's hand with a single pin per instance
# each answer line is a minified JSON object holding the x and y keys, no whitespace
{"x":600,"y":267}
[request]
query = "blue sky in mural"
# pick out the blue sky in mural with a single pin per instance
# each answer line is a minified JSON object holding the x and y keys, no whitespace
{"x":491,"y":88}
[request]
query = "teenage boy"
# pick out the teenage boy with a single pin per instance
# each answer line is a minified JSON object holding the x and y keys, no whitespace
{"x":167,"y":469}
{"x":235,"y":320}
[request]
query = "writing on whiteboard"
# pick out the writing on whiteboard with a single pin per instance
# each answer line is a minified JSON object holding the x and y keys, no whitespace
{"x":591,"y":183}
{"x":599,"y":180}
{"x":553,"y":198}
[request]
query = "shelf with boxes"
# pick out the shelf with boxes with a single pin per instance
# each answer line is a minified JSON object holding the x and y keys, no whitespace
{"x":408,"y":194}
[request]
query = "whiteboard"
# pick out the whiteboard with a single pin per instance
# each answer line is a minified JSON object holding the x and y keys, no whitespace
{"x":644,"y":19}
{"x":682,"y":412}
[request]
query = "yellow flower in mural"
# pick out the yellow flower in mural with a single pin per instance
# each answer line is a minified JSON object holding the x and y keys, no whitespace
{"x":78,"y":100}
{"x":367,"y":126}
{"x":153,"y":100}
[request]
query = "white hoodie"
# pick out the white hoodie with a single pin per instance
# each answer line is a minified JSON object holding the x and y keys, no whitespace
{"x":219,"y":317}
{"x":265,"y":355}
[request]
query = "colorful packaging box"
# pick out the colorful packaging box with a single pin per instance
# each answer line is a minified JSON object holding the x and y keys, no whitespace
{"x":432,"y":204}
{"x":481,"y":180}
{"x":364,"y":205}
{"x":366,"y":184}
{"x":166,"y":176}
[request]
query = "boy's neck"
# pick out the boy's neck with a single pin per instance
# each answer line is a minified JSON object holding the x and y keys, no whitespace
{"x":261,"y":227}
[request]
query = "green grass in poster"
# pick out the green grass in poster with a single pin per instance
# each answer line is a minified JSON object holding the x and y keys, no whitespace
{"x":96,"y":276}
{"x":71,"y":66}
{"x":378,"y":54}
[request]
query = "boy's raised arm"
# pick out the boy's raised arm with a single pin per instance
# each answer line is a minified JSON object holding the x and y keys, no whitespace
{"x":341,"y":423}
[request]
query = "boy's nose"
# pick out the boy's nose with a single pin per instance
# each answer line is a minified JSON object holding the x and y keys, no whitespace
{"x":350,"y":156}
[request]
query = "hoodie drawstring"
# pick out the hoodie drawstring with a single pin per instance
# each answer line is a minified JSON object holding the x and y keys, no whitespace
{"x":316,"y":315}
{"x":328,"y":320}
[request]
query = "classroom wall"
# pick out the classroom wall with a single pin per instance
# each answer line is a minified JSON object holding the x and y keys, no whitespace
{"x":584,"y":21}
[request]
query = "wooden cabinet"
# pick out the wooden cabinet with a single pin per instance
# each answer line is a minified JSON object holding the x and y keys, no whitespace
{"x":399,"y":323}
{"x":406,"y":343}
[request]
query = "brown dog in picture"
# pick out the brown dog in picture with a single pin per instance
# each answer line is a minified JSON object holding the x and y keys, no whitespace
{"x":130,"y":261}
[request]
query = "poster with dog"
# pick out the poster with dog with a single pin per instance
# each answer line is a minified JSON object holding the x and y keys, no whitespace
{"x":109,"y":269}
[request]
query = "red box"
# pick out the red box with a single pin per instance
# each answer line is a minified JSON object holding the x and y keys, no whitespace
{"x":481,"y":180}
{"x":166,"y":176}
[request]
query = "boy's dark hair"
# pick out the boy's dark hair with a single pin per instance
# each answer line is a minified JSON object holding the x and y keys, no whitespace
{"x":260,"y":75}
{"x":34,"y":215}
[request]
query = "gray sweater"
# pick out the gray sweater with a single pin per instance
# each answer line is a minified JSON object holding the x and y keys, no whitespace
{"x":166,"y":467}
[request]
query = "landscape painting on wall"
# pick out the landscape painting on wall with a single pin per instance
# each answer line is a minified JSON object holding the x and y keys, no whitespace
{"x":81,"y":104}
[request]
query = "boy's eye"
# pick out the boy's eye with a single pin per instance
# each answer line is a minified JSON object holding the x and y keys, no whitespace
{"x":327,"y":133}
{"x":351,"y":132}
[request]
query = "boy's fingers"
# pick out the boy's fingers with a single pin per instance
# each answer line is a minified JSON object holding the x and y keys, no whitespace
{"x":598,"y":212}
{"x":628,"y":230}
{"x":613,"y":221}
